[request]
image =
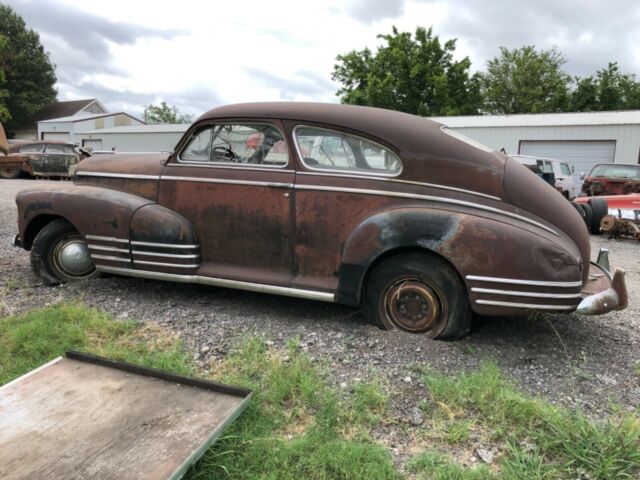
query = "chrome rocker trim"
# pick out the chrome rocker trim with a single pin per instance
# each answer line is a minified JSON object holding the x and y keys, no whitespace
{"x":517,"y":281}
{"x":528,"y":306}
{"x":516,"y":293}
{"x":221,"y":282}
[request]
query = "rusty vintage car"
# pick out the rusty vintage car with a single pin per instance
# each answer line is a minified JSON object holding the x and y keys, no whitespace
{"x":390,"y":212}
{"x":612,"y":179}
{"x":41,"y":158}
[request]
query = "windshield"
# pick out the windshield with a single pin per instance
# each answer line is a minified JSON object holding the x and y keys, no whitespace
{"x":616,"y":171}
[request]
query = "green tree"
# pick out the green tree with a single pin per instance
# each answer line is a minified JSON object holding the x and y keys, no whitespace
{"x":609,"y":89}
{"x":414,"y":75}
{"x":164,"y":113}
{"x":27,"y":76}
{"x":524,"y":80}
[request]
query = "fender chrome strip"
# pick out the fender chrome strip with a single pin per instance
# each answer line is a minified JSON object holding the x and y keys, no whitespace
{"x":167,"y":255}
{"x":118,"y":175}
{"x":515,"y":293}
{"x":531,"y":306}
{"x":108,"y":257}
{"x":108,"y":249}
{"x":172,"y":265}
{"x":106,"y":239}
{"x":432,"y":198}
{"x":227,"y":182}
{"x":165,"y":245}
{"x":406,"y":182}
{"x":221,"y":282}
{"x":515,"y":281}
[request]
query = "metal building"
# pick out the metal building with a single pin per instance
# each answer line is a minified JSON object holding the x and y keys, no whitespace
{"x":582,"y":139}
{"x":133,"y":138}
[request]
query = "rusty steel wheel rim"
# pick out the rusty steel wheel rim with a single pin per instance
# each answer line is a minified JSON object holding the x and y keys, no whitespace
{"x":413,"y":305}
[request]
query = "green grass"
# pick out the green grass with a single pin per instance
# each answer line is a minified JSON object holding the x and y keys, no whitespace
{"x":298,"y":426}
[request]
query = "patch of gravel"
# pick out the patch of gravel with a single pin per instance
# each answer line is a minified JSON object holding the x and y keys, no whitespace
{"x":582,"y":362}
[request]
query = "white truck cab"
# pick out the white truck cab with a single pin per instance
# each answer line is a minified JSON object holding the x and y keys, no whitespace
{"x":561,"y":170}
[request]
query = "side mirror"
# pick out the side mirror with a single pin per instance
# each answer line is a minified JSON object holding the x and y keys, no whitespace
{"x":4,"y":145}
{"x":583,"y":175}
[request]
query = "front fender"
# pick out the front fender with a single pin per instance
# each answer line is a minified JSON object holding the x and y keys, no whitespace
{"x":91,"y":210}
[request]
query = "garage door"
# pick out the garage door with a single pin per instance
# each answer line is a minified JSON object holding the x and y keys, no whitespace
{"x":57,"y":136}
{"x":93,"y":143}
{"x":582,"y":154}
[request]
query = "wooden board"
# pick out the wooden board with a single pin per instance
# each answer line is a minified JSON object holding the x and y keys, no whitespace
{"x":74,"y":418}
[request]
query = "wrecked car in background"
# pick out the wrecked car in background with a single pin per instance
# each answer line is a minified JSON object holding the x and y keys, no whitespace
{"x":372,"y":208}
{"x":612,"y":179}
{"x":41,"y":158}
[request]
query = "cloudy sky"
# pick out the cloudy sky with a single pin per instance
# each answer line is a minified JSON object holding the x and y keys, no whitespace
{"x":196,"y":54}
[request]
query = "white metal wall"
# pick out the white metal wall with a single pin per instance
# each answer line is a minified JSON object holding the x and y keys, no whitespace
{"x":627,"y":137}
{"x":135,"y":142}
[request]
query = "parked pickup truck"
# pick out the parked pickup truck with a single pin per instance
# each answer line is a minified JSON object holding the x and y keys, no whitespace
{"x":389,"y":212}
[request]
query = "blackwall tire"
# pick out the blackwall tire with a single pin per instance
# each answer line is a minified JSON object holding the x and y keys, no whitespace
{"x":600,"y":208}
{"x":59,"y":254}
{"x":10,"y":173}
{"x":419,"y":293}
{"x":588,"y":215}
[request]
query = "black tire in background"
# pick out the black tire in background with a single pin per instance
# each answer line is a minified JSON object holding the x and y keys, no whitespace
{"x":9,"y":173}
{"x":44,"y":254}
{"x":420,"y":293}
{"x":600,"y":208}
{"x":588,"y":215}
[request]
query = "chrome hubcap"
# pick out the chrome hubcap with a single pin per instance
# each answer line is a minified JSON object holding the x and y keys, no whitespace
{"x":72,"y":257}
{"x":412,"y":305}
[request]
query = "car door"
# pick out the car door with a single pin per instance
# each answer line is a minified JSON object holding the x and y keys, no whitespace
{"x":233,"y":182}
{"x":58,"y":158}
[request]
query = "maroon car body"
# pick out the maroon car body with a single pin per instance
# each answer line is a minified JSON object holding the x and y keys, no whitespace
{"x":361,"y":206}
{"x":612,"y":179}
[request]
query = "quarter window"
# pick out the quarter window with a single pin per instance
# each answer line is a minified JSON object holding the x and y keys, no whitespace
{"x":259,"y":144}
{"x":322,"y":149}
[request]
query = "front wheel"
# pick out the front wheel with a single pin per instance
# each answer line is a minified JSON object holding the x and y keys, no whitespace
{"x":10,"y":173}
{"x":419,"y":293}
{"x":59,"y":254}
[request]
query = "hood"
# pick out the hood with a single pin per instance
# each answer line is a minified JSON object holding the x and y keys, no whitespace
{"x":125,"y":164}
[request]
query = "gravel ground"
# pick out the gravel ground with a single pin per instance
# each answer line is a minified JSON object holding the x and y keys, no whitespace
{"x":589,"y":363}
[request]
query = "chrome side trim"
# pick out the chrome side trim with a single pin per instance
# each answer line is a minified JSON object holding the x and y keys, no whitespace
{"x":109,"y":257}
{"x":515,"y":281}
{"x":106,"y":239}
{"x":166,"y":255}
{"x":227,"y":182}
{"x":221,"y":282}
{"x":431,"y":198}
{"x":406,"y":182}
{"x":118,"y":175}
{"x":165,"y":245}
{"x":515,"y":293}
{"x":233,"y":166}
{"x":529,"y":306}
{"x":107,"y":249}
{"x":172,"y":265}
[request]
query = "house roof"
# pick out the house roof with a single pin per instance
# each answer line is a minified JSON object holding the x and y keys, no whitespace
{"x":82,"y":118}
{"x":56,"y":110}
{"x":629,"y":117}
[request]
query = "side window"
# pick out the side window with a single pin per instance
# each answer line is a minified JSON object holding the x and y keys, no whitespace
{"x":259,"y":144}
{"x":199,"y":147}
{"x":565,"y":169}
{"x":36,"y":148}
{"x":56,"y":148}
{"x":322,"y":149}
{"x":249,"y":143}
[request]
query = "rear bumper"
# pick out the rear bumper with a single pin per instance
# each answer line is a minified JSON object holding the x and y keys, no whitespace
{"x":17,"y":241}
{"x":603,"y":292}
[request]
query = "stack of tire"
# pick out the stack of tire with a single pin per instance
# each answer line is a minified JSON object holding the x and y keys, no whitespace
{"x":592,"y":212}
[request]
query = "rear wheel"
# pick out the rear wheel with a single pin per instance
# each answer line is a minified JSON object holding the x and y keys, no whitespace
{"x":59,"y":254}
{"x":10,"y":173}
{"x":419,"y":293}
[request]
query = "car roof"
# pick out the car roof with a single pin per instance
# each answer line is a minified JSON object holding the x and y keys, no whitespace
{"x":396,"y":128}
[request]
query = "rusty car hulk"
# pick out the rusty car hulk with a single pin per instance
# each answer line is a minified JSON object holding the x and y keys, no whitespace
{"x":390,"y":212}
{"x":41,"y":158}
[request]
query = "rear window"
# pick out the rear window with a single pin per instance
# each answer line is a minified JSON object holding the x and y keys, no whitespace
{"x":60,"y":148}
{"x":330,"y":150}
{"x":36,"y":148}
{"x":616,"y":171}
